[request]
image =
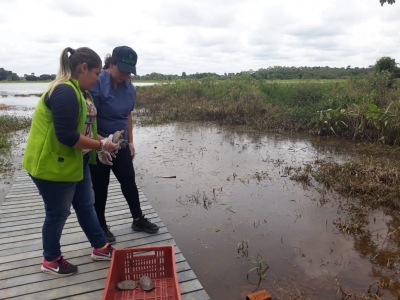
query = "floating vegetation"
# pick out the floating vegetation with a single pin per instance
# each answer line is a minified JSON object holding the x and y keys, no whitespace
{"x":259,"y":176}
{"x":373,"y":292}
{"x":199,"y":199}
{"x":302,"y":175}
{"x":372,"y":180}
{"x":348,"y":227}
{"x":28,"y":95}
{"x":243,"y":248}
{"x":260,"y":269}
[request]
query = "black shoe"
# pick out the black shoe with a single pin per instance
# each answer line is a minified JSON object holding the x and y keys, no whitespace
{"x":109,"y":235}
{"x":144,"y":225}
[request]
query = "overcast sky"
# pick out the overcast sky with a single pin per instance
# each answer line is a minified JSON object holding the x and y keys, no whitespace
{"x":190,"y":36}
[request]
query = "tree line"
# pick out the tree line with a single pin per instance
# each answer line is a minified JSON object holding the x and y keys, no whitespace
{"x":6,"y":75}
{"x":271,"y":73}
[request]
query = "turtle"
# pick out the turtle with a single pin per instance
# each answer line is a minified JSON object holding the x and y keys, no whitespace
{"x":118,"y":135}
{"x":127,"y":285}
{"x":146,"y":283}
{"x":118,"y":138}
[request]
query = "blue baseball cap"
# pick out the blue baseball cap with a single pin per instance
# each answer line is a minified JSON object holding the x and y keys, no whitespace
{"x":125,"y":58}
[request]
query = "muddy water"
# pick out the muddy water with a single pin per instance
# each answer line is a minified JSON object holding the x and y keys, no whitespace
{"x":231,"y":192}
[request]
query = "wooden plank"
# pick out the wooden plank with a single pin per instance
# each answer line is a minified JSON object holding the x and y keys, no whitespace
{"x":20,"y":231}
{"x":139,"y":238}
{"x":30,"y":208}
{"x":87,"y":273}
{"x":84,"y":267}
{"x":71,"y":221}
{"x":40,"y":213}
{"x":21,"y":199}
{"x":39,"y":210}
{"x":195,"y":295}
{"x":190,"y":286}
{"x":24,"y":188}
{"x":198,"y":295}
{"x":79,"y":257}
{"x":37,"y":201}
{"x":21,"y":219}
{"x":115,"y":223}
{"x":5,"y":222}
{"x":71,"y":242}
{"x":86,"y":287}
{"x":77,"y":235}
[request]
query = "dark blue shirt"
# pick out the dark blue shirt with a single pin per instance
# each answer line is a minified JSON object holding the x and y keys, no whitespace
{"x":113,"y":105}
{"x":65,"y":112}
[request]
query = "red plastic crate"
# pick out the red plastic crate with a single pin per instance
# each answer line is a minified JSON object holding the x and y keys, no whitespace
{"x":156,"y":262}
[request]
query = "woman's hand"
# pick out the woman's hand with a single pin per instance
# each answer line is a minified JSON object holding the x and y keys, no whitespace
{"x":105,"y":157}
{"x":108,"y":145}
{"x":132,"y":150}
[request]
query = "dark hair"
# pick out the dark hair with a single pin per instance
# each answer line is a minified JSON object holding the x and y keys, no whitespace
{"x":108,"y":60}
{"x":69,"y":64}
{"x":83,"y":55}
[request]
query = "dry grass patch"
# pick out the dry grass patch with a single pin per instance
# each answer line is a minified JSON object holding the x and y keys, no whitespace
{"x":376,"y":182}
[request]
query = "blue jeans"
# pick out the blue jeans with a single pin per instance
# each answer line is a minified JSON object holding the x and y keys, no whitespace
{"x":57,"y":198}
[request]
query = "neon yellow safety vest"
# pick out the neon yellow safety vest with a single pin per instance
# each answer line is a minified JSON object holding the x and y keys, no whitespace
{"x":45,"y":157}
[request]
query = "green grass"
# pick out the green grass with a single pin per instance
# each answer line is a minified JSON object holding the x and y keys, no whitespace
{"x":4,"y":144}
{"x":9,"y":124}
{"x":360,"y":108}
{"x":13,"y":123}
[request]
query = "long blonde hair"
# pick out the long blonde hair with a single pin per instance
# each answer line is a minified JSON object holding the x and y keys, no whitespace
{"x":69,"y":64}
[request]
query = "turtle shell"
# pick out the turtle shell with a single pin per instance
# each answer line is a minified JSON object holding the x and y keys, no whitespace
{"x":118,"y":135}
{"x":127,"y":285}
{"x":146,"y":283}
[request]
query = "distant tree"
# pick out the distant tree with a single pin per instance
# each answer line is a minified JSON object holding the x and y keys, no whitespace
{"x":31,"y":77}
{"x":387,"y":1}
{"x":8,"y":75}
{"x":13,"y":77}
{"x":46,"y":77}
{"x":183,"y":74}
{"x":385,"y":71}
{"x":386,"y":63}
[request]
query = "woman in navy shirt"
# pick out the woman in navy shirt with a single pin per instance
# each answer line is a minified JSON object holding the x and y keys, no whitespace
{"x":114,"y":96}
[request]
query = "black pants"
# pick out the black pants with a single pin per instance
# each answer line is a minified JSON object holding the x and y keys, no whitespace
{"x":123,"y":170}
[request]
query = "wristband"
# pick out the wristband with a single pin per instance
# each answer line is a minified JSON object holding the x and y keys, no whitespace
{"x":100,"y":147}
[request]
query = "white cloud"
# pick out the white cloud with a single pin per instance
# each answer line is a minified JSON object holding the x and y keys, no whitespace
{"x":200,"y":36}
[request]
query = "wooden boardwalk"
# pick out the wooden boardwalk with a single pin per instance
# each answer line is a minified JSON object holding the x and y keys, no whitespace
{"x":21,"y":219}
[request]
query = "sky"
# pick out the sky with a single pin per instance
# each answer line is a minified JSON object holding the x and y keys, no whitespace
{"x":220,"y":36}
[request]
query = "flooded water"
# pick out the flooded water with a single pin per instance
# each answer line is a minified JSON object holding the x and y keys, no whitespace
{"x":229,"y":203}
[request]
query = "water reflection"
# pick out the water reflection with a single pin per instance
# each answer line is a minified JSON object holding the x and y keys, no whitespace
{"x":240,"y":174}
